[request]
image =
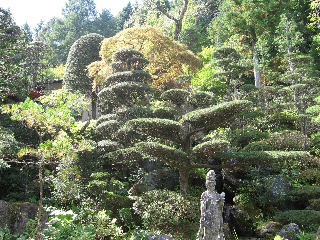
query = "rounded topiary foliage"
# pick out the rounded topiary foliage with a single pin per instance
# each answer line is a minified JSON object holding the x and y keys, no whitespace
{"x":176,"y":96}
{"x":202,"y":100}
{"x":83,"y":52}
{"x":247,"y":137}
{"x":314,"y":204}
{"x":303,"y":194}
{"x":257,"y":146}
{"x":289,"y":140}
{"x":285,"y":120}
{"x":164,"y":112}
{"x":127,"y":113}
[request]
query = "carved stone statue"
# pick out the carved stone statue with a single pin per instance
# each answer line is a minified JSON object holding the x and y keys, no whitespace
{"x":211,"y":221}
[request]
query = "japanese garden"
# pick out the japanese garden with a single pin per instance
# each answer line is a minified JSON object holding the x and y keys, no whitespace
{"x":174,"y":119}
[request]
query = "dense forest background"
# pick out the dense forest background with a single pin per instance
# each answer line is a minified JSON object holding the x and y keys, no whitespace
{"x":173,"y":89}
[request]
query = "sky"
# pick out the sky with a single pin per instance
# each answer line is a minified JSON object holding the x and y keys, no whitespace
{"x":33,"y":11}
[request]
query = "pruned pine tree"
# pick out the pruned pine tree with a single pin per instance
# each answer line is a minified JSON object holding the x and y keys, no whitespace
{"x":176,"y":146}
{"x":230,"y":70}
{"x":301,"y":79}
{"x":125,"y":97}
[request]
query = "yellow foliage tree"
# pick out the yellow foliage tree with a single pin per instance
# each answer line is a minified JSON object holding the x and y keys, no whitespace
{"x":168,"y":58}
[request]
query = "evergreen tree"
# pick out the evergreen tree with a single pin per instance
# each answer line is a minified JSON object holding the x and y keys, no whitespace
{"x":177,"y":147}
{"x":123,"y":16}
{"x":83,"y":52}
{"x":13,"y":41}
{"x":105,"y":24}
{"x":247,"y":20}
{"x":26,"y":27}
{"x":227,"y":60}
{"x":80,"y":18}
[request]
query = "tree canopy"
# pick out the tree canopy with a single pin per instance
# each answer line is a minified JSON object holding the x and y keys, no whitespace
{"x":168,"y":59}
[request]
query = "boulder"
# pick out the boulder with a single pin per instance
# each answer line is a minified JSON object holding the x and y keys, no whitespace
{"x":152,"y":236}
{"x":279,"y":187}
{"x":16,"y":215}
{"x":279,"y":191}
{"x":241,"y":219}
{"x":290,"y":231}
{"x":269,"y":229}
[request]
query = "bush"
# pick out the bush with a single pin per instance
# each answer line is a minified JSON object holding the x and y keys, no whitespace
{"x":309,"y":219}
{"x":248,"y":137}
{"x":168,"y":212}
{"x":258,"y":146}
{"x":314,"y":204}
{"x":289,"y":140}
{"x":305,"y":193}
{"x":69,"y":225}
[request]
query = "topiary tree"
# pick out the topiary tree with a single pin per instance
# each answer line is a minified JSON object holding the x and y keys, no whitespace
{"x":177,"y":147}
{"x":125,"y":97}
{"x":83,"y":52}
{"x":227,"y":60}
{"x":301,"y":79}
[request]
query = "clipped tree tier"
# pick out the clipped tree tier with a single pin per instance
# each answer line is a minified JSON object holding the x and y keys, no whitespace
{"x":158,"y":127}
{"x":124,"y":93}
{"x":169,"y":155}
{"x":183,"y":155}
{"x":108,"y":146}
{"x":128,"y":113}
{"x":108,"y":127}
{"x":123,"y":54}
{"x":177,"y":96}
{"x":202,"y":152}
{"x":211,"y":117}
{"x":125,"y":156}
{"x":129,"y":76}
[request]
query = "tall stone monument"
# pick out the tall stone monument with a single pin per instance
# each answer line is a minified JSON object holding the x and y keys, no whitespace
{"x":211,"y":221}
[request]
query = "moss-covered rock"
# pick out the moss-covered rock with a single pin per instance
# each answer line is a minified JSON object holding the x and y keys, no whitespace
{"x":16,"y":215}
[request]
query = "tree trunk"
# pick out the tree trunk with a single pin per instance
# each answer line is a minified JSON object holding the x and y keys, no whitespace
{"x":257,"y":75}
{"x":94,"y":104}
{"x":184,"y":180}
{"x":38,"y":237}
{"x":185,"y":166}
{"x":263,"y":67}
{"x":177,"y":30}
{"x":177,"y":20}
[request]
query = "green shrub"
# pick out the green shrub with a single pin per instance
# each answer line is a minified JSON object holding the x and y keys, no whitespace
{"x":258,"y":146}
{"x":245,"y":138}
{"x":176,"y":96}
{"x":314,"y":204}
{"x":288,"y":140}
{"x":69,"y":225}
{"x":284,"y":120}
{"x":309,"y":219}
{"x":168,"y":212}
{"x":304,"y":193}
{"x":202,"y":100}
